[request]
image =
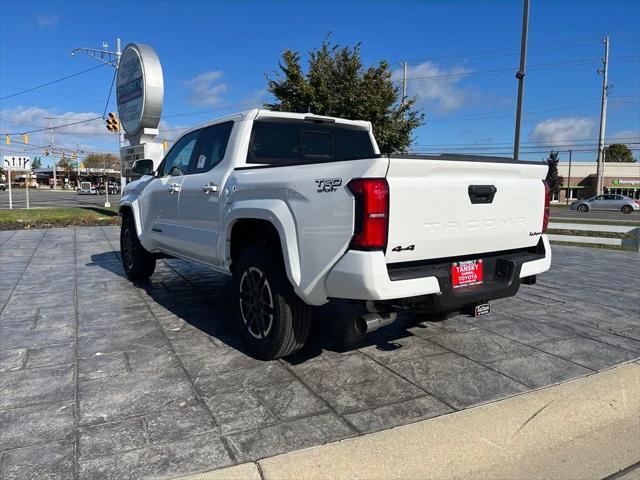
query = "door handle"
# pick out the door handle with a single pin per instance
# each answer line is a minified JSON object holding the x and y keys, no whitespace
{"x":482,"y":193}
{"x":174,"y":187}
{"x":210,"y":188}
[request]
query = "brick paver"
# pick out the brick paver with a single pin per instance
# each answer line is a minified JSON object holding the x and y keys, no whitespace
{"x":100,"y":378}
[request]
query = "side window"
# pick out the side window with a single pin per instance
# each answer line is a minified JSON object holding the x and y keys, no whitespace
{"x":610,"y":197}
{"x":178,"y":159}
{"x":212,"y":147}
{"x":599,"y":197}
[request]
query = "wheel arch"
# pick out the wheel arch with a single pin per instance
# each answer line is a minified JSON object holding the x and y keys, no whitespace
{"x":129,"y":209}
{"x":273,"y":227}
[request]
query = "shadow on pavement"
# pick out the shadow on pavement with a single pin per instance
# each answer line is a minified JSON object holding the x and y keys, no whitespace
{"x":333,"y":324}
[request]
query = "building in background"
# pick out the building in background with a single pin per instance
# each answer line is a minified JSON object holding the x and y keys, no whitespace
{"x":619,"y":178}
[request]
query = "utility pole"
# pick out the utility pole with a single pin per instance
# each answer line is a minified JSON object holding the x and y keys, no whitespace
{"x":53,"y":157}
{"x":569,"y":175}
{"x":520,"y":76}
{"x":404,"y":82}
{"x":603,"y":116}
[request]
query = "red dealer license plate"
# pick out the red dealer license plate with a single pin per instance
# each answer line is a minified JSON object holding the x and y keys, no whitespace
{"x":464,"y":274}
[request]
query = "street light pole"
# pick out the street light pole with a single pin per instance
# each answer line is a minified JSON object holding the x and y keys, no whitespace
{"x":520,"y":76}
{"x":53,"y":157}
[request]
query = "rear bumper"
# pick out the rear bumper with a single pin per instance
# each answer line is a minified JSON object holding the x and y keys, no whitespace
{"x":366,"y":276}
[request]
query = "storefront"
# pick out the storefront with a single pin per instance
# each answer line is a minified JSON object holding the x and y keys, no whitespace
{"x":580,"y":182}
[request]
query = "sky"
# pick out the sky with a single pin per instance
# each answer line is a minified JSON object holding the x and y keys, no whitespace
{"x":216,"y":55}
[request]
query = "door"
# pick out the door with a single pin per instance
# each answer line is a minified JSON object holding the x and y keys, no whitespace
{"x":597,"y":203}
{"x":164,"y":192}
{"x":201,"y":195}
{"x":611,"y":202}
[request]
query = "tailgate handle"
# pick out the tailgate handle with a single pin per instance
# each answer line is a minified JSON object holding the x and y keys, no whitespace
{"x":482,"y":193}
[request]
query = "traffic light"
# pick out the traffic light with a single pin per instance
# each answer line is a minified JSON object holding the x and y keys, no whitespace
{"x":113,"y":124}
{"x":46,"y":152}
{"x":74,"y":155}
{"x":25,"y":138}
{"x":165,"y":145}
{"x":62,"y":156}
{"x":7,"y":140}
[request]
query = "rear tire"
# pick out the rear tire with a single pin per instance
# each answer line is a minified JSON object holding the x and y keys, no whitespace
{"x":137,"y":262}
{"x":583,"y":208}
{"x":273,"y":321}
{"x":627,"y":209}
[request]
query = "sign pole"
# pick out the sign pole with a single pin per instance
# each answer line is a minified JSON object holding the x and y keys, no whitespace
{"x":10,"y":194}
{"x":26,"y":186}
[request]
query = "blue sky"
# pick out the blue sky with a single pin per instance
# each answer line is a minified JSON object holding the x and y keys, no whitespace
{"x":215,"y":56}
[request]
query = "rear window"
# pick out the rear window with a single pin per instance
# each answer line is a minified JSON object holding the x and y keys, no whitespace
{"x":283,"y":143}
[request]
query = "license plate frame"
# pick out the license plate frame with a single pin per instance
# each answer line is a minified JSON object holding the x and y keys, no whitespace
{"x":467,"y":273}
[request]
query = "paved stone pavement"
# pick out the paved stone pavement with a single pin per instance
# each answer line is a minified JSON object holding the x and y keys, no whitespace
{"x":103,"y":379}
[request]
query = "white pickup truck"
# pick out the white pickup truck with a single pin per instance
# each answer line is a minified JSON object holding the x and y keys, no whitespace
{"x":300,"y":208}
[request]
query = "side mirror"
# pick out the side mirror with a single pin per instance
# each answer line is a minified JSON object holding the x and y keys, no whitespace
{"x":143,"y":167}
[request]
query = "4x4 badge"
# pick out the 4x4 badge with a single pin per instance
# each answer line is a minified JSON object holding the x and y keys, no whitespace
{"x":400,"y":249}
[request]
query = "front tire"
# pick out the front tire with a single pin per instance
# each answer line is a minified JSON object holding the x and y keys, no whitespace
{"x":583,"y":208}
{"x":627,"y":209}
{"x":137,"y":262}
{"x":273,"y":321}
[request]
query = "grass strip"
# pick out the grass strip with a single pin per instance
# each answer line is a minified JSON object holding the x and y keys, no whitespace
{"x":22,"y":219}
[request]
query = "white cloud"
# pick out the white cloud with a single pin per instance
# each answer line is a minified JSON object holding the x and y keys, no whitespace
{"x":90,"y":136}
{"x":443,"y":94}
{"x":563,"y":130}
{"x":624,"y":136}
{"x":255,"y":99}
{"x":48,"y":20}
{"x":205,"y":91}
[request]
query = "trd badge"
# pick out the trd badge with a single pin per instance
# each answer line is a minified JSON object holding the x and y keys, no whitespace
{"x":328,"y":185}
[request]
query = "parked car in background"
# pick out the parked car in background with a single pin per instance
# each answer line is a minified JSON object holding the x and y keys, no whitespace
{"x":3,"y":186}
{"x":86,"y":188}
{"x":618,"y":203}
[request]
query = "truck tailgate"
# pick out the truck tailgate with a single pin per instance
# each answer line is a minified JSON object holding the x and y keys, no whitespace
{"x":443,"y":208}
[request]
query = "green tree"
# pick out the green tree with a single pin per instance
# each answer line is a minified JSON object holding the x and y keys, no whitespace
{"x":554,"y":180}
{"x":36,"y":163}
{"x":618,"y":152}
{"x":337,"y":84}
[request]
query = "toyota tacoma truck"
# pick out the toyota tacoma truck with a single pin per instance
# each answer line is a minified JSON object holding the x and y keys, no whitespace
{"x":300,"y":209}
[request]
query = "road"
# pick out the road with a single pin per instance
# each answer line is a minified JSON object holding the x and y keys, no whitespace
{"x":49,"y":198}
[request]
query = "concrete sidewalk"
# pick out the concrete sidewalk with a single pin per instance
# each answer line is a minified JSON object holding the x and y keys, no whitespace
{"x":583,"y":429}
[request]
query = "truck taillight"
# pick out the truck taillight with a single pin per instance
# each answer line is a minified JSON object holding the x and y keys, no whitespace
{"x":371,"y":213}
{"x":547,"y":200}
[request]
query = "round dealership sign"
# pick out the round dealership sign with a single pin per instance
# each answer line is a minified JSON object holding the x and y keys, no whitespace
{"x":140,"y":88}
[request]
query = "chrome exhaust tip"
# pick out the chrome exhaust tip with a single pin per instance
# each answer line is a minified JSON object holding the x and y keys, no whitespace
{"x":371,"y":322}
